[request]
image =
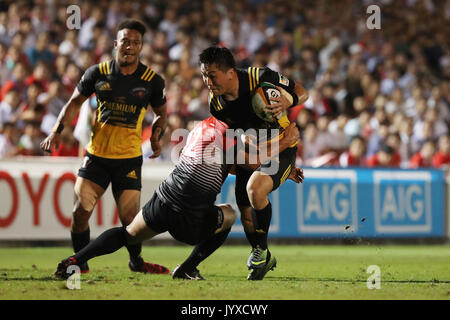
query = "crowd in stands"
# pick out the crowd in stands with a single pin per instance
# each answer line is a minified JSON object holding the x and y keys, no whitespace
{"x":378,"y":97}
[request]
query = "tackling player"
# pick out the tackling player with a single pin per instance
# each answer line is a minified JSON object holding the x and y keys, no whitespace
{"x":183,"y":204}
{"x":230,"y":101}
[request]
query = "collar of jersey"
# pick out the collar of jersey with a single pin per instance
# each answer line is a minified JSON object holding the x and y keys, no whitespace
{"x":116,"y":70}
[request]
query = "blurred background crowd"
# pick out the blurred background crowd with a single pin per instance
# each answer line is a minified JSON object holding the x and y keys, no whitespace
{"x":378,"y":97}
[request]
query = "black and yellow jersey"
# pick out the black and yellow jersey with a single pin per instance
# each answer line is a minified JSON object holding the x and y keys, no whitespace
{"x":122,"y":103}
{"x":238,"y":113}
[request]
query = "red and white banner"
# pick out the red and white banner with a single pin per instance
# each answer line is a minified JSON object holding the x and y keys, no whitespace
{"x":37,"y":198}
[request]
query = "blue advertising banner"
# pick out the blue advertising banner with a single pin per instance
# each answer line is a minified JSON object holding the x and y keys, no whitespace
{"x":353,"y":203}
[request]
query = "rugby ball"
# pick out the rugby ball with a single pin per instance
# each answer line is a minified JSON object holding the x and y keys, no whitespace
{"x":261,"y":98}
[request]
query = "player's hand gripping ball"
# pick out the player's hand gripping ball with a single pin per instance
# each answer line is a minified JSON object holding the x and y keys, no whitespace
{"x":261,"y":99}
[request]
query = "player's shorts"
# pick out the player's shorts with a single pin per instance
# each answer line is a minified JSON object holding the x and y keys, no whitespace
{"x":285,"y":163}
{"x":183,"y":226}
{"x":124,"y":174}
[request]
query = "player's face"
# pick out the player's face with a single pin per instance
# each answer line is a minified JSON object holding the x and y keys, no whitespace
{"x":215,"y":79}
{"x":129,"y":46}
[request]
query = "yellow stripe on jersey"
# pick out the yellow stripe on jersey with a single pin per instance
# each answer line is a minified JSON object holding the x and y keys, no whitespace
{"x":253,"y":77}
{"x":286,"y":174}
{"x":215,"y":102}
{"x":150,"y":77}
{"x":104,"y":68}
{"x":257,"y":76}
{"x":145,"y":73}
{"x":220,"y":105}
{"x":250,"y":78}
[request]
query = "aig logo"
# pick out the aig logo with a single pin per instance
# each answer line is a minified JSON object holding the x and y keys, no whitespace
{"x":402,"y":201}
{"x":327,"y":201}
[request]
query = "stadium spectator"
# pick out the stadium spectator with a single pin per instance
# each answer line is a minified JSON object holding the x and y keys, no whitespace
{"x":310,"y":146}
{"x":385,"y":157}
{"x":378,"y":137}
{"x":426,"y":132}
{"x":393,"y":140}
{"x":29,"y":142}
{"x":5,"y":72}
{"x":68,"y":147}
{"x":8,"y":140}
{"x":407,"y":145}
{"x":17,"y":81}
{"x":40,"y":51}
{"x":41,"y":76}
{"x":355,"y":156}
{"x":9,"y":107}
{"x":424,"y":158}
{"x":442,"y":157}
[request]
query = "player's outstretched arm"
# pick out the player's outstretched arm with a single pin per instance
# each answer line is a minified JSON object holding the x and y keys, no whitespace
{"x":267,"y":150}
{"x":66,"y":116}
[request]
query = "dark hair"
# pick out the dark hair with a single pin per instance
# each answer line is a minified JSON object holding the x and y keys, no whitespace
{"x":133,"y":25}
{"x":220,"y":56}
{"x":387,"y":149}
{"x":358,"y":137}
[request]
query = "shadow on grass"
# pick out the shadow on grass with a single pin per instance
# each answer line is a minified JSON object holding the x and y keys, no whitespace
{"x":31,"y":278}
{"x":303,"y":279}
{"x":354,"y":280}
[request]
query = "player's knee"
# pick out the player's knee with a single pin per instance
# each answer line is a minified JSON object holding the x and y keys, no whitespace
{"x":229,"y":215}
{"x":258,"y":190}
{"x":81,"y":211}
{"x":255,"y":193}
{"x":84,"y":203}
{"x":131,"y":231}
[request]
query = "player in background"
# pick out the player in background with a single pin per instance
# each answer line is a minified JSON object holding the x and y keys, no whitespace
{"x":124,"y":87}
{"x":230,"y":101}
{"x":183,"y":204}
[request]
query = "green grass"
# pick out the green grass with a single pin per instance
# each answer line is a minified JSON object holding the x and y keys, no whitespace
{"x":303,"y":272}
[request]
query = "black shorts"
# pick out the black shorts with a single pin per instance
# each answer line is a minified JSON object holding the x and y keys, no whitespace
{"x":183,"y":226}
{"x":124,"y":174}
{"x":283,"y":164}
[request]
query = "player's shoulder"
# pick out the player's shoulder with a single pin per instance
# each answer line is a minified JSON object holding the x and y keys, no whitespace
{"x":102,"y":68}
{"x":145,"y":73}
{"x":255,"y":75}
{"x":106,"y":67}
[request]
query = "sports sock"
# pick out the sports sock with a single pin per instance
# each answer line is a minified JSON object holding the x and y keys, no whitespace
{"x":135,"y":254}
{"x":204,"y":249}
{"x":261,"y":221}
{"x":80,"y":240}
{"x":252,"y":238}
{"x":108,"y":242}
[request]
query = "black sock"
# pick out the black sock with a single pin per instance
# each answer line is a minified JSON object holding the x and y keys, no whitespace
{"x":80,"y":240}
{"x":108,"y":242}
{"x":135,"y":253}
{"x":261,"y":222}
{"x":204,"y":250}
{"x":252,"y":238}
